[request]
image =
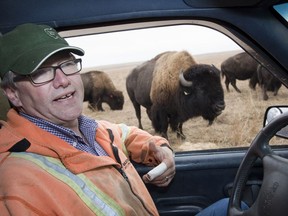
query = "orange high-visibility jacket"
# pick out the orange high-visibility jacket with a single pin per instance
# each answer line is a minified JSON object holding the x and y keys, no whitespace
{"x":40,"y":174}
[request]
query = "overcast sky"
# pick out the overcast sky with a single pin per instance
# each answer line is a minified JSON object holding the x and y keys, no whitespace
{"x":141,"y":45}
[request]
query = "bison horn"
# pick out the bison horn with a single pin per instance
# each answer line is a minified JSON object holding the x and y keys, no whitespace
{"x":183,"y":81}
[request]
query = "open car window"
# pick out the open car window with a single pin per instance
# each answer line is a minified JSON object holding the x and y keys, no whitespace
{"x":118,"y":53}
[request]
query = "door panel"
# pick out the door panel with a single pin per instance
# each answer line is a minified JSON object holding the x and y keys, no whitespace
{"x":201,"y":179}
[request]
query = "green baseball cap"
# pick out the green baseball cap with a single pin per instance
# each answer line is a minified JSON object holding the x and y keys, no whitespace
{"x":26,"y":47}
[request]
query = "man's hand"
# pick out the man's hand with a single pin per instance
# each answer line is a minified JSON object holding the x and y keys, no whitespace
{"x":166,"y":156}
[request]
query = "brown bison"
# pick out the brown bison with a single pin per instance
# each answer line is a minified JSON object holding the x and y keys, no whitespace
{"x":267,"y":82}
{"x":99,"y":88}
{"x":240,"y":67}
{"x":174,"y":88}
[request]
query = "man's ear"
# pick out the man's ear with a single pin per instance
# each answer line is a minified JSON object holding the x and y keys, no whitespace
{"x":13,"y":96}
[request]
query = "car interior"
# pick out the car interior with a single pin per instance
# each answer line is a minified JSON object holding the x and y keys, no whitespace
{"x":230,"y":164}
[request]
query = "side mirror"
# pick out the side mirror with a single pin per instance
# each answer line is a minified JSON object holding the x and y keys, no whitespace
{"x":271,"y":113}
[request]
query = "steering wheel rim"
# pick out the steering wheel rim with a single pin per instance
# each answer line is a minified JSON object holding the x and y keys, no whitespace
{"x":273,"y":192}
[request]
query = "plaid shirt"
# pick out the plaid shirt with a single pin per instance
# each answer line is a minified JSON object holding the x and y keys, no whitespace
{"x":87,"y":127}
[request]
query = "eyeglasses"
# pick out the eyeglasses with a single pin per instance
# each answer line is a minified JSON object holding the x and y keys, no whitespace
{"x":47,"y":74}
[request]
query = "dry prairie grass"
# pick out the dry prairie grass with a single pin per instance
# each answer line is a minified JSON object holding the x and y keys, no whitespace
{"x":236,"y":126}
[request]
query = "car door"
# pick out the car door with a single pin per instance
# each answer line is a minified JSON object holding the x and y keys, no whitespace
{"x":208,"y":159}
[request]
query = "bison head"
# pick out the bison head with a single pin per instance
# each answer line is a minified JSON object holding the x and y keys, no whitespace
{"x":201,"y":92}
{"x":114,"y":99}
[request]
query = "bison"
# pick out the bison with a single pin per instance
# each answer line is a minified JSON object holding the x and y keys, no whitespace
{"x":138,"y":86}
{"x":98,"y":89}
{"x":174,"y":88}
{"x":242,"y":67}
{"x":267,"y":82}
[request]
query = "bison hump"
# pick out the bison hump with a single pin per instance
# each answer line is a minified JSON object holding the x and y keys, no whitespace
{"x":165,"y":81}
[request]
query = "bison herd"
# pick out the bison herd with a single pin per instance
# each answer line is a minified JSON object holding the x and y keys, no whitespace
{"x":173,"y":88}
{"x":243,"y":67}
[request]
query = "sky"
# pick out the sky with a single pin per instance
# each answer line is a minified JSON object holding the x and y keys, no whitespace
{"x":142,"y":45}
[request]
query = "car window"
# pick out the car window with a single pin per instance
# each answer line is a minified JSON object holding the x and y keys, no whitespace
{"x":118,"y":53}
{"x":282,"y":10}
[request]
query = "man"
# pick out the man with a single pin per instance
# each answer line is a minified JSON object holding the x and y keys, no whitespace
{"x":54,"y":160}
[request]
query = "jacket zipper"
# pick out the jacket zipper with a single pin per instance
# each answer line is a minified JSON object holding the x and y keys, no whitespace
{"x":116,"y":155}
{"x":120,"y":170}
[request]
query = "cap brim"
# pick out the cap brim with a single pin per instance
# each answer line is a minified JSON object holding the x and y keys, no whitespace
{"x":31,"y":60}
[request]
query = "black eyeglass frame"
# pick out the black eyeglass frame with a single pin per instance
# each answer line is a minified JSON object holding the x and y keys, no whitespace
{"x":29,"y":76}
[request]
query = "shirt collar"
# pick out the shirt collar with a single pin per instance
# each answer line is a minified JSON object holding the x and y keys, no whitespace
{"x":87,"y":126}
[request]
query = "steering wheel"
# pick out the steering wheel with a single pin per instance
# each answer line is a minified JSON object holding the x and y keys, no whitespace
{"x":272,"y":199}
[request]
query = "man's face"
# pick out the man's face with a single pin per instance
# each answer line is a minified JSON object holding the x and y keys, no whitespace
{"x":59,"y":101}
